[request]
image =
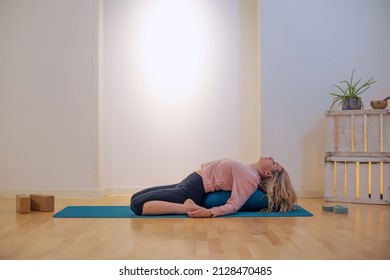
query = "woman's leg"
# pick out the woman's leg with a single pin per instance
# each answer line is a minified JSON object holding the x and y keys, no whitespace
{"x":158,"y":207}
{"x":152,"y":189}
{"x":138,"y":200}
{"x":170,"y":199}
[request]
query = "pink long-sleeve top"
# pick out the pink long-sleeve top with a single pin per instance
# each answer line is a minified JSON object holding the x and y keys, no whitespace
{"x":229,"y":175}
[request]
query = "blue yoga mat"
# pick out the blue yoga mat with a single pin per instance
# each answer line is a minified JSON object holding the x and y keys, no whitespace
{"x":125,"y":212}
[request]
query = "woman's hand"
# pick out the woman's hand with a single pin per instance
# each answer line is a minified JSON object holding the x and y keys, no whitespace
{"x":200,"y":212}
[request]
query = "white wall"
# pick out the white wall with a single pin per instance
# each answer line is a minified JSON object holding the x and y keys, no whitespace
{"x":48,"y":96}
{"x":49,"y":121}
{"x":180,"y":88}
{"x":306,"y":47}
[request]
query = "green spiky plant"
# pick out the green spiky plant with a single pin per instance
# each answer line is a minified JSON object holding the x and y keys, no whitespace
{"x":352,"y":90}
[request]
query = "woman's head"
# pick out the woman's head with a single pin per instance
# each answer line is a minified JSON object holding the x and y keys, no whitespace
{"x":280,"y":192}
{"x":268,"y":166}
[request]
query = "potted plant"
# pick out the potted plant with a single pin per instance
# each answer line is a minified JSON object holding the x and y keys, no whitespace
{"x":349,"y":96}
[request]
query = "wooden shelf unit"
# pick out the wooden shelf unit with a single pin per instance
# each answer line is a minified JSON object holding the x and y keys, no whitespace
{"x":357,"y":161}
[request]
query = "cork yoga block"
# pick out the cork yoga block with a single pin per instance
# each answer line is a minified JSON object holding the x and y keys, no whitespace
{"x":22,"y":203}
{"x":42,"y":202}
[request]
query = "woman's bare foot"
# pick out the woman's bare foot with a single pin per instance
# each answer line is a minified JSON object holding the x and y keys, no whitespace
{"x":190,"y":205}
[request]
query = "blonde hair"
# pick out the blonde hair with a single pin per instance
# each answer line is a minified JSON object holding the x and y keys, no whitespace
{"x":280,"y":192}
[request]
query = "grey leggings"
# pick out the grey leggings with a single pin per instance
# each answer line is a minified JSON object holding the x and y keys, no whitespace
{"x":191,"y":187}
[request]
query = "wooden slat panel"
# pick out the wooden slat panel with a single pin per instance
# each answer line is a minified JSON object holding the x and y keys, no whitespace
{"x":340,"y":180}
{"x":329,"y":177}
{"x":386,"y":132}
{"x":351,"y":181}
{"x":373,"y":133}
{"x":339,"y":132}
{"x":358,"y":154}
{"x":363,"y":181}
{"x":386,"y":182}
{"x":357,"y":112}
{"x":359,"y":133}
{"x":344,"y":132}
{"x":331,"y":133}
{"x":346,"y":186}
{"x":359,"y":158}
{"x":375,"y":181}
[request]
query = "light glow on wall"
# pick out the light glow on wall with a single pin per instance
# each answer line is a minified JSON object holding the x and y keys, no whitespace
{"x":176,"y":90}
{"x":170,"y":48}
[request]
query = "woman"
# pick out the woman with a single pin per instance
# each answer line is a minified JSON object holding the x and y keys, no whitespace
{"x":227,"y":175}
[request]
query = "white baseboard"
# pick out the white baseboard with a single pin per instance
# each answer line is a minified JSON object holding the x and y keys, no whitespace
{"x":116,"y":191}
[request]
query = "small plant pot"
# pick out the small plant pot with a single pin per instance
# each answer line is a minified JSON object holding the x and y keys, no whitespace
{"x":352,"y":103}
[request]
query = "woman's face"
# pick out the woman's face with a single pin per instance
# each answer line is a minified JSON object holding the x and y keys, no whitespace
{"x":269,"y":165}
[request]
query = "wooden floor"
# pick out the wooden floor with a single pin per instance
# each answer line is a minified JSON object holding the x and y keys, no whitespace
{"x":364,"y":233}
